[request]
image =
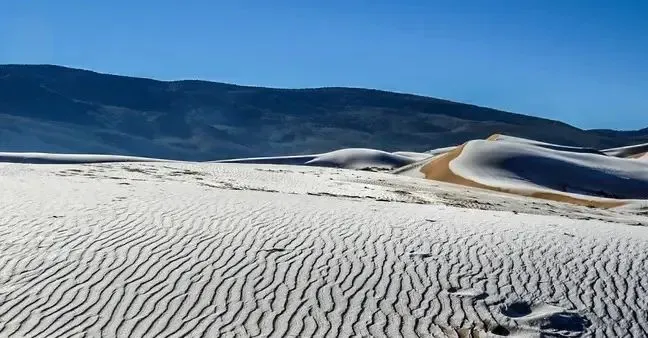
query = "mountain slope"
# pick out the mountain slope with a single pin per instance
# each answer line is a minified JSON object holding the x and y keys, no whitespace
{"x":57,"y":109}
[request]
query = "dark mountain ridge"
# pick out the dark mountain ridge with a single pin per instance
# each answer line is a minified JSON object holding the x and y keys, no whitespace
{"x":57,"y":109}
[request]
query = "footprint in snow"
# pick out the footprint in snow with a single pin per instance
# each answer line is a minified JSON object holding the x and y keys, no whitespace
{"x":420,"y":254}
{"x":271,"y":250}
{"x":548,"y":319}
{"x":500,"y":330}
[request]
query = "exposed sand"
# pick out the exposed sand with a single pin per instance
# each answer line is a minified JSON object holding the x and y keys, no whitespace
{"x":439,"y":169}
{"x":494,"y":137}
{"x":170,"y":249}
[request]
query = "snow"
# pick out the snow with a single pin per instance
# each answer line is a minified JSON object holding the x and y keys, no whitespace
{"x":414,"y":169}
{"x":629,"y":151}
{"x":506,"y":138}
{"x":415,"y":155}
{"x":214,"y":249}
{"x":49,"y":158}
{"x":359,"y":158}
{"x":527,"y":168}
{"x":292,"y":159}
{"x":350,"y":158}
{"x":443,"y":150}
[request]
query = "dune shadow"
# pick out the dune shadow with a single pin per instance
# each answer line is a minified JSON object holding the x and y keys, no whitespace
{"x":557,"y":174}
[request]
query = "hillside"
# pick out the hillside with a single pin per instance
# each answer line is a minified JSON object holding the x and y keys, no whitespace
{"x":56,"y":109}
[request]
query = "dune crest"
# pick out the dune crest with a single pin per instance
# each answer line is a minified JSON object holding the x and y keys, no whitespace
{"x":501,"y":137}
{"x":634,"y":151}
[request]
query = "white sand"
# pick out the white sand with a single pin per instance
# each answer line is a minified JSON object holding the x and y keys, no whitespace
{"x":172,"y":249}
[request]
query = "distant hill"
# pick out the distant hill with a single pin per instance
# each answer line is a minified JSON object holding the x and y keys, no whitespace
{"x":56,"y":109}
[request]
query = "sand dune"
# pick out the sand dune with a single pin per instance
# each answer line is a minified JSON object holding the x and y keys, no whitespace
{"x":49,"y":158}
{"x":527,"y":169}
{"x":351,"y":158}
{"x":414,"y":169}
{"x":176,"y":249}
{"x":361,"y":158}
{"x":500,"y":137}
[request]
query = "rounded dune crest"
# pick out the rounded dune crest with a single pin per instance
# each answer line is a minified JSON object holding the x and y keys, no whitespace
{"x":359,"y":158}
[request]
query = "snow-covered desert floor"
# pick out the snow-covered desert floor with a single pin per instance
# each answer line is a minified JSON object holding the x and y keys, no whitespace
{"x":208,"y":249}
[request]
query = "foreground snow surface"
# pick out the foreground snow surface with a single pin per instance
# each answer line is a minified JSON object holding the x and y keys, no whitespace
{"x":162,"y":249}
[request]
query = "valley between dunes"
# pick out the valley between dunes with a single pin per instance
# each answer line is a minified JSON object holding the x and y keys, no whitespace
{"x":155,"y":249}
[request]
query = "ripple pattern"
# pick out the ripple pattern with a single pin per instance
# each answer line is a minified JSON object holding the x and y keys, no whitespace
{"x":176,"y":260}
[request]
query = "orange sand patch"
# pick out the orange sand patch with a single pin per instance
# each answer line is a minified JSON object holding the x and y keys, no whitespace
{"x":493,"y":137}
{"x":439,"y":169}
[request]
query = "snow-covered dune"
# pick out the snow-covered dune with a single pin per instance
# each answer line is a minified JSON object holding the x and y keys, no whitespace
{"x":357,"y":158}
{"x":538,"y":171}
{"x":506,"y":138}
{"x":351,"y":158}
{"x":634,"y":151}
{"x":288,"y":160}
{"x":50,"y":158}
{"x":211,"y":250}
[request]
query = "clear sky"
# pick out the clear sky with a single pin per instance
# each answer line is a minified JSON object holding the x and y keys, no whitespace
{"x":583,"y":62}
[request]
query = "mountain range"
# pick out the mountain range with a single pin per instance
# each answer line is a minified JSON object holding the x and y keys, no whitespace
{"x":47,"y":108}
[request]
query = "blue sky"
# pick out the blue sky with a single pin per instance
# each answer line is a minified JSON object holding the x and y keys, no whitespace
{"x":583,"y":62}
